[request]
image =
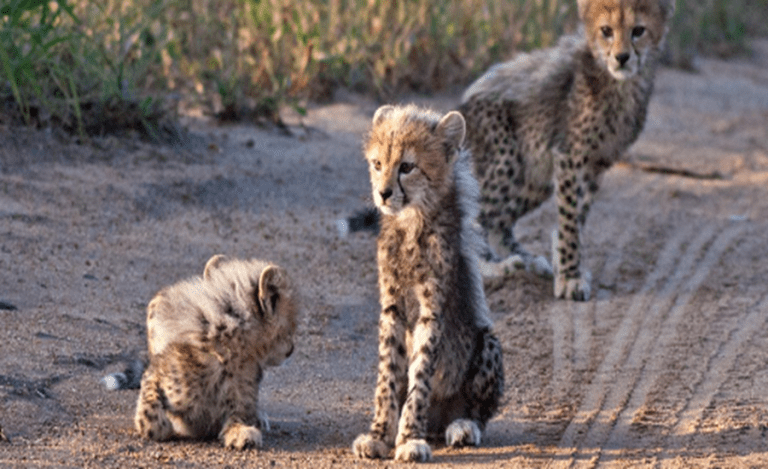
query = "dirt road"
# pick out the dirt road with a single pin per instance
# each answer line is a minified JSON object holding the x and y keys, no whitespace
{"x":667,"y":366}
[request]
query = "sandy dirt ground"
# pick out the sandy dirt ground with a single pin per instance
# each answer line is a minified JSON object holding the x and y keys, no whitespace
{"x":667,"y":366}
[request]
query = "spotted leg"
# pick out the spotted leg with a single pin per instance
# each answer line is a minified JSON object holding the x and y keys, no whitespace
{"x":392,"y":373}
{"x":483,"y":390}
{"x":573,"y":197}
{"x":411,"y":444}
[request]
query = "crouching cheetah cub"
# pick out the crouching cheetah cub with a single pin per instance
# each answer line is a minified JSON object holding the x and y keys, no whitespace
{"x":210,"y":339}
{"x":440,"y":366}
{"x":554,"y":121}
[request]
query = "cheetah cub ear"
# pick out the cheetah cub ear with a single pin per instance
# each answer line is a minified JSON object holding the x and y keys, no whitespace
{"x":213,"y":264}
{"x":272,"y":283}
{"x":382,"y":113}
{"x":453,"y":128}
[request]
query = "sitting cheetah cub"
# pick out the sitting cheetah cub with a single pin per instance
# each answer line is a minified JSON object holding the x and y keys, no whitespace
{"x":554,"y":121}
{"x":209,"y":340}
{"x":439,"y":363}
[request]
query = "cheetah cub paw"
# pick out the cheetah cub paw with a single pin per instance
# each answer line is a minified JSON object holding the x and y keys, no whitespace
{"x":413,"y":451}
{"x":367,"y":446}
{"x":241,"y":436}
{"x":462,"y":432}
{"x":494,"y":270}
{"x":537,"y":265}
{"x":540,"y":266}
{"x":576,"y":289}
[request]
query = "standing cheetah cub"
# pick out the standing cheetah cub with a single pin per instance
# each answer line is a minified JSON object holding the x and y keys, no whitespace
{"x":554,"y":121}
{"x":209,"y":340}
{"x":440,"y":365}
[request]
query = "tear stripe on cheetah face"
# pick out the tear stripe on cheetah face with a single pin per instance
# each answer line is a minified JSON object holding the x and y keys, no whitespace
{"x":552,"y":121}
{"x":209,"y":340}
{"x":438,"y":360}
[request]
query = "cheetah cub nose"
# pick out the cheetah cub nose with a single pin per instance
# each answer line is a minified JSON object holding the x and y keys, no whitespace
{"x":385,"y":195}
{"x":622,"y":58}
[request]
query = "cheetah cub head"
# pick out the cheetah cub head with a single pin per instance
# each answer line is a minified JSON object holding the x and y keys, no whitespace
{"x":264,"y":293}
{"x":410,"y":153}
{"x":623,"y":33}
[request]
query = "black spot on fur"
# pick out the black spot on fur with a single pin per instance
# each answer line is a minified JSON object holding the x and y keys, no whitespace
{"x":163,"y":399}
{"x":230,"y":311}
{"x":204,"y":323}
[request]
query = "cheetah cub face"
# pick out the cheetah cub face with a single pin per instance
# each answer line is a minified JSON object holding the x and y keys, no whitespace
{"x":409,"y":169}
{"x":622,"y":33}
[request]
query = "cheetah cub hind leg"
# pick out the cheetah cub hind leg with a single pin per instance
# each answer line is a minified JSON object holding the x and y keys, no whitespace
{"x":151,"y":419}
{"x":515,"y":263}
{"x":494,"y":267}
{"x":369,"y":447}
{"x":463,"y":432}
{"x":577,"y":289}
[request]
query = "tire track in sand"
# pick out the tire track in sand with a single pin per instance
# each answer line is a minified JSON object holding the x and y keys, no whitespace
{"x":650,"y":349}
{"x":619,"y":370}
{"x":722,"y":360}
{"x":571,"y":325}
{"x":595,"y":393}
{"x":571,"y":321}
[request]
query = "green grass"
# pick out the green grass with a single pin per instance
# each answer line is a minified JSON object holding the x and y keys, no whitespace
{"x":98,"y":67}
{"x":715,"y":27}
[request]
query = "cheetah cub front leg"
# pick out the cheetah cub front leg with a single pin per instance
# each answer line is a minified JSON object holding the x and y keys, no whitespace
{"x":392,"y":367}
{"x":573,"y":196}
{"x":577,"y":288}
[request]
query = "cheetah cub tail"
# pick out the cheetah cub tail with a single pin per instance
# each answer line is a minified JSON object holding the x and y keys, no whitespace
{"x":362,"y":220}
{"x":130,"y":378}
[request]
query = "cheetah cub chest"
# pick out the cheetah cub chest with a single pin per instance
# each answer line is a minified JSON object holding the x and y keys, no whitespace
{"x":209,"y":340}
{"x":440,"y":369}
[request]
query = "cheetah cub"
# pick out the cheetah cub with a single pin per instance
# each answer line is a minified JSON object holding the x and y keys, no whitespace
{"x":440,"y":365}
{"x":554,"y":121}
{"x":210,"y":339}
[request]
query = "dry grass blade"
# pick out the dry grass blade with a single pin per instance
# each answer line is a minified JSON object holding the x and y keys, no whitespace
{"x":248,"y":58}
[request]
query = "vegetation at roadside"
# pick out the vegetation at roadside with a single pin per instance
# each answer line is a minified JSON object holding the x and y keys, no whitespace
{"x":98,"y":67}
{"x":715,"y":27}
